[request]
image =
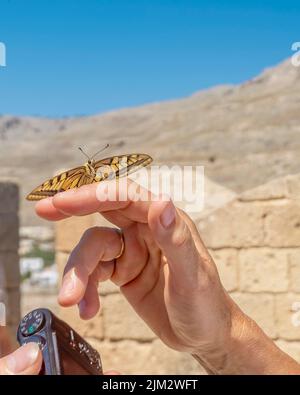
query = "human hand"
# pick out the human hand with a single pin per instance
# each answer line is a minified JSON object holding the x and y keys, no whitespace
{"x":165,"y":273}
{"x":26,"y":360}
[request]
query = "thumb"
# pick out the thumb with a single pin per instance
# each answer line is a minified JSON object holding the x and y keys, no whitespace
{"x":178,"y":241}
{"x":25,"y":360}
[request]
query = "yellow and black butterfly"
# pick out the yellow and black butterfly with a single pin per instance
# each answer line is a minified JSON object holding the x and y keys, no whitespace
{"x":92,"y":171}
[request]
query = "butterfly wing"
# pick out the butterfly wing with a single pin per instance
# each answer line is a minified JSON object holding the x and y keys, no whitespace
{"x":69,"y":179}
{"x":120,"y":166}
{"x":113,"y":167}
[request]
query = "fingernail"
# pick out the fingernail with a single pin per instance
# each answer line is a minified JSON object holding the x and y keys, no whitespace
{"x":23,"y":358}
{"x":68,"y":284}
{"x":167,"y":217}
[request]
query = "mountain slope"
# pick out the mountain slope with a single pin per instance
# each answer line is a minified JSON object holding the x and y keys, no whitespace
{"x":244,"y":135}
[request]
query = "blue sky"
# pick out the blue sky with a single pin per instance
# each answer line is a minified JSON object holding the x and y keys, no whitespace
{"x":79,"y":57}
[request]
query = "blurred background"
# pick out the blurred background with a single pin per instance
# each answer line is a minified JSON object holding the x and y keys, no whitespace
{"x":211,"y":83}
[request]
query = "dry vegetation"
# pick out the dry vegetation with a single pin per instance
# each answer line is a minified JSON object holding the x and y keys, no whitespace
{"x":244,"y":135}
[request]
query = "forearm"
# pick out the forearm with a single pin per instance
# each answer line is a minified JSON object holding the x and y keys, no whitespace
{"x":248,"y":351}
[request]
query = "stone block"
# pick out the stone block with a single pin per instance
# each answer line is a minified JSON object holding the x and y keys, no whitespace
{"x":2,"y":278}
{"x":293,"y":186}
{"x":282,"y":224}
{"x":236,"y":225}
{"x":291,"y":348}
{"x":9,"y":233}
{"x":86,"y":328}
{"x":294,"y":269}
{"x":35,"y":297}
{"x":108,"y":287}
{"x":122,"y":322}
{"x":132,"y":357}
{"x":70,"y":230}
{"x":263,"y":270}
{"x":227,"y":264}
{"x":13,"y":312}
{"x":9,"y":197}
{"x":287,"y":313}
{"x":9,"y":263}
{"x":275,"y":189}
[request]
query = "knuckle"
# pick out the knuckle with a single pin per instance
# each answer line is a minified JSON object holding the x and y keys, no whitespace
{"x":181,"y":236}
{"x":204,"y":282}
{"x":91,"y":232}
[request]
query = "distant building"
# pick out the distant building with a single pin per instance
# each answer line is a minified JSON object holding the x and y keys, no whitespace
{"x":45,"y":278}
{"x":31,"y":265}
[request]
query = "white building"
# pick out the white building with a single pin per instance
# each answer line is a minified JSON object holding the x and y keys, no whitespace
{"x":31,"y":265}
{"x":45,"y":278}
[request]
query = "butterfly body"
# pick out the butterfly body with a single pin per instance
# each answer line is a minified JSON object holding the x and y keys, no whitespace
{"x":92,"y":171}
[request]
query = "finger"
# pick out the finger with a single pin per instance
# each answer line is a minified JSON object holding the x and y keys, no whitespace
{"x":92,"y":198}
{"x":25,"y":360}
{"x":82,"y":201}
{"x":45,"y":209}
{"x":97,"y":244}
{"x":105,"y":270}
{"x":90,"y":304}
{"x":112,"y":373}
{"x":134,"y":257}
{"x":117,"y":218}
{"x":172,"y":233}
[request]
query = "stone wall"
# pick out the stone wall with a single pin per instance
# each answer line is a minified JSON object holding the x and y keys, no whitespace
{"x":255,"y":240}
{"x":9,"y":259}
{"x":34,"y":297}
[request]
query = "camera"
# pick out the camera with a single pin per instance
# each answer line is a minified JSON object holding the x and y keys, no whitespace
{"x":64,"y":351}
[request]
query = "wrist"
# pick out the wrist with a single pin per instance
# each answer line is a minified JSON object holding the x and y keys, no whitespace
{"x":246,"y":350}
{"x":216,"y":357}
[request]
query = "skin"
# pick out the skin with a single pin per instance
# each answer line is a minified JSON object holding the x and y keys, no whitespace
{"x":166,"y":274}
{"x":26,"y":360}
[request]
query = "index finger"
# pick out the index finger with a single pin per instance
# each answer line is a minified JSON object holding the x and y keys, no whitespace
{"x":125,"y":196}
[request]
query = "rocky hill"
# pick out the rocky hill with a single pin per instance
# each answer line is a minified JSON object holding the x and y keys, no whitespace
{"x":245,"y":135}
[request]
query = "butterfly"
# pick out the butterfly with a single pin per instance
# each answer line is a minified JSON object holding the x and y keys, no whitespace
{"x":92,"y":171}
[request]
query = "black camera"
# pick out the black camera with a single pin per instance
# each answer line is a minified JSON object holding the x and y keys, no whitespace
{"x":64,"y":351}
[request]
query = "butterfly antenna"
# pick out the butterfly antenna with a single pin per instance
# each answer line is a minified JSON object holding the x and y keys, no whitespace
{"x":81,"y":150}
{"x":102,"y":149}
